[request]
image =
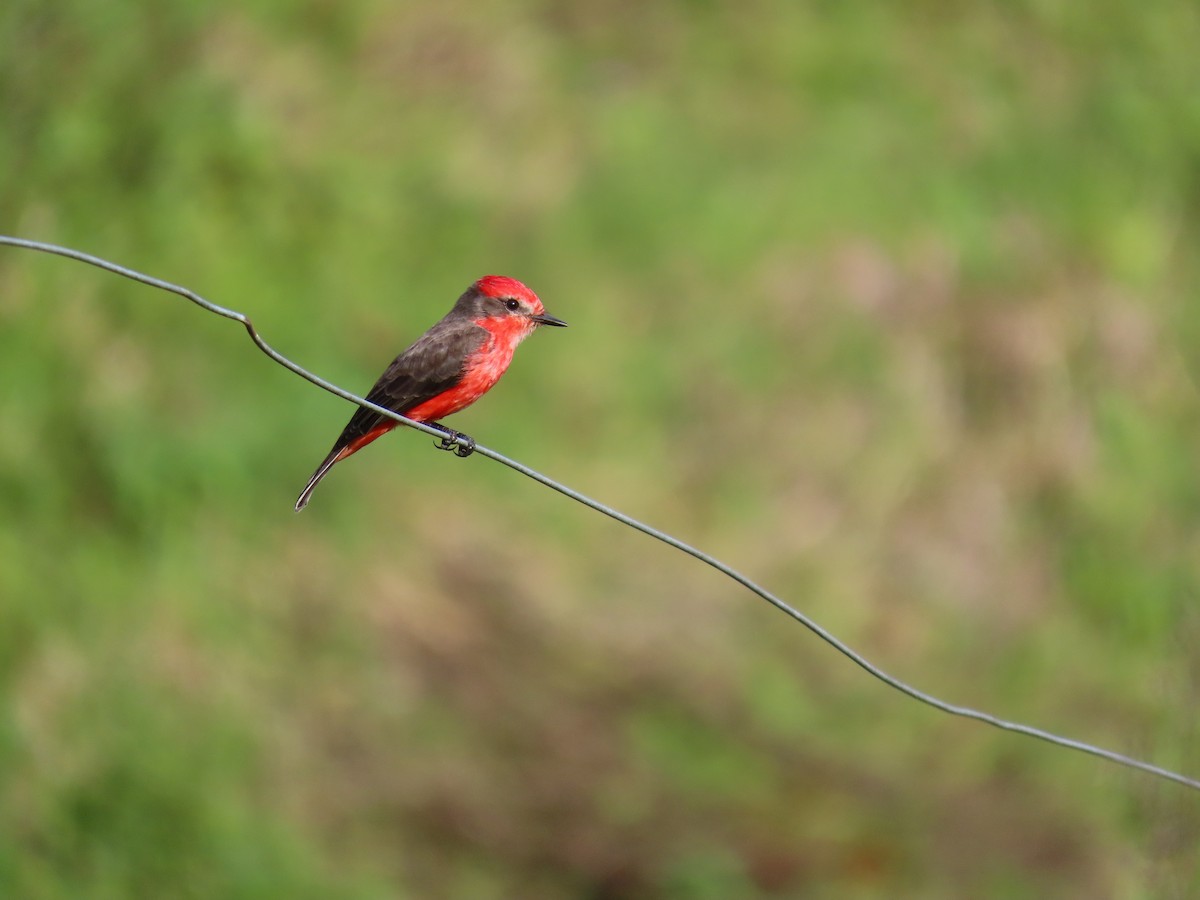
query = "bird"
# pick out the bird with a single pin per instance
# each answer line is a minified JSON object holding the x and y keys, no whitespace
{"x":447,"y":369}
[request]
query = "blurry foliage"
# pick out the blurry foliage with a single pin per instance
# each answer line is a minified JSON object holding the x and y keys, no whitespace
{"x":894,"y":308}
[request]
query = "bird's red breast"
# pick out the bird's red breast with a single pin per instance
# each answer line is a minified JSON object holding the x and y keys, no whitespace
{"x":482,"y":370}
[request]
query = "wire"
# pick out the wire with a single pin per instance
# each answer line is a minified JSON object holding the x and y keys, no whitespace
{"x":843,"y":648}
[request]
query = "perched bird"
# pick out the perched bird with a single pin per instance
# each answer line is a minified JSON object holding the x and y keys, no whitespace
{"x":450,"y":366}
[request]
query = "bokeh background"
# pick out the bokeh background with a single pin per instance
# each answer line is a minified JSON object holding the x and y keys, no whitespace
{"x":892,"y":306}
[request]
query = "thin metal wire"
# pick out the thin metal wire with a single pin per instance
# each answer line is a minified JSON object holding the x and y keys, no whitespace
{"x":837,"y":644}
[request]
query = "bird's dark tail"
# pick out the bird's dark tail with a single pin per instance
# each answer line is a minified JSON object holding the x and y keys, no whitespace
{"x":345,"y":446}
{"x":322,"y":470}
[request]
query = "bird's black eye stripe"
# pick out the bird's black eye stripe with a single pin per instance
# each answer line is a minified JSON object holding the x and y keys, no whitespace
{"x":512,"y":304}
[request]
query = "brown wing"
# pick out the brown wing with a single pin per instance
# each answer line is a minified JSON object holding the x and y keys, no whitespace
{"x":432,"y":365}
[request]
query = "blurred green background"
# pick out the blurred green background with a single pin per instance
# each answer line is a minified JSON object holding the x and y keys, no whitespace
{"x":894,"y":308}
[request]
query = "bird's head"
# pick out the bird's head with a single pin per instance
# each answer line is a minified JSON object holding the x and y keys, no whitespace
{"x":508,"y":300}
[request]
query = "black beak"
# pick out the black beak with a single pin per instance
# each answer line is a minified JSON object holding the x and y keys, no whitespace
{"x":547,"y":319}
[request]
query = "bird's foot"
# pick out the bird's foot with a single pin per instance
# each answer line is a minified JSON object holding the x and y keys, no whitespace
{"x":463,"y":445}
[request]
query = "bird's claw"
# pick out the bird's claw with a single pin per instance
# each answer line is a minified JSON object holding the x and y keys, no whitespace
{"x":463,"y":445}
{"x":466,"y":446}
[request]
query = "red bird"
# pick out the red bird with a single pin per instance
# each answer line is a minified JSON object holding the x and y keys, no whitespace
{"x":450,"y":366}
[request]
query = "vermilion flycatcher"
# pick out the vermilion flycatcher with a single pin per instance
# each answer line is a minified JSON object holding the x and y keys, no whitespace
{"x":451,"y":366}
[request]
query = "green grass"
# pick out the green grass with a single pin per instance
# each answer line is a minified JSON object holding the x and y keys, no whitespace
{"x":893,"y":309}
